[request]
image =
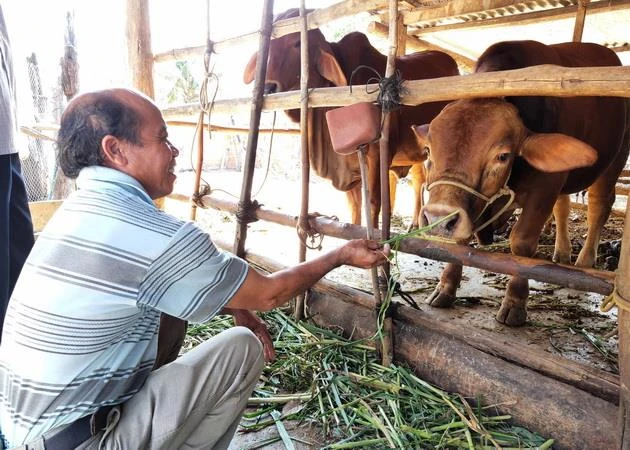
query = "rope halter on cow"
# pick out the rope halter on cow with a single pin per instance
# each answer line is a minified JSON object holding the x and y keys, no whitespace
{"x":505,"y":190}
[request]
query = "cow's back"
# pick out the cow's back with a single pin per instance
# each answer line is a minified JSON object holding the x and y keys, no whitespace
{"x":598,"y":121}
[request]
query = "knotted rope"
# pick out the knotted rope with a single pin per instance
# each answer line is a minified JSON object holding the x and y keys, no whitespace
{"x":246,"y":212}
{"x":615,"y":299}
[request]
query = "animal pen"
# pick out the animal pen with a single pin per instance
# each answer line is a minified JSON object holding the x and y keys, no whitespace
{"x":579,"y":406}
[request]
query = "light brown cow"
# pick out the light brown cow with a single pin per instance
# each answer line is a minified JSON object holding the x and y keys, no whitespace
{"x":332,"y":64}
{"x":535,"y":148}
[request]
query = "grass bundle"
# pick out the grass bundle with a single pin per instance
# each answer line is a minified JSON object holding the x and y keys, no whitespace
{"x":339,"y":386}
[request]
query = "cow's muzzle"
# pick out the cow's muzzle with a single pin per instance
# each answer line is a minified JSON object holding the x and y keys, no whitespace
{"x":450,"y":226}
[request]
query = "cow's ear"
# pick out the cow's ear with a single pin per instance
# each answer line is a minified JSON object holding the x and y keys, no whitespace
{"x":421,"y":132}
{"x":330,"y":69}
{"x":250,"y":69}
{"x":554,"y":152}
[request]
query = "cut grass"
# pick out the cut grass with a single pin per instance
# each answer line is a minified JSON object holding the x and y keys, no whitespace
{"x":340,"y":386}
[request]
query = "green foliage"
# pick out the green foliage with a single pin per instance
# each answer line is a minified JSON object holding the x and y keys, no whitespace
{"x":186,"y":88}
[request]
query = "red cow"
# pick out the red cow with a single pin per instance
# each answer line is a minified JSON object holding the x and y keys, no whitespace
{"x":332,"y":64}
{"x":535,"y":148}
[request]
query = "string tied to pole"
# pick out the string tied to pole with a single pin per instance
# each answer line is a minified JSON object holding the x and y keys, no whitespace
{"x":306,"y":232}
{"x":197,"y":197}
{"x":246,"y":211}
{"x":390,"y":88}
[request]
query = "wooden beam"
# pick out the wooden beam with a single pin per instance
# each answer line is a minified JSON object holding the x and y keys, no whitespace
{"x":456,"y":9}
{"x":589,"y":280}
{"x":566,"y":12}
{"x":539,"y":80}
{"x":316,"y":19}
{"x":574,"y":418}
{"x":230,"y":130}
{"x":415,"y":44}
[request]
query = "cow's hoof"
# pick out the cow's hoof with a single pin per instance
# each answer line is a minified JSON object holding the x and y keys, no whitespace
{"x":440,"y":299}
{"x":512,"y":316}
{"x":561,"y":258}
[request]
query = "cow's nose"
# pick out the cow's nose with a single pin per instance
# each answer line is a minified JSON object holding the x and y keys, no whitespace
{"x":271,"y":88}
{"x":444,"y":223}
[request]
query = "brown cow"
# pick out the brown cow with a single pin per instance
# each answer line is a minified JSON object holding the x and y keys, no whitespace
{"x":332,"y":64}
{"x":538,"y":148}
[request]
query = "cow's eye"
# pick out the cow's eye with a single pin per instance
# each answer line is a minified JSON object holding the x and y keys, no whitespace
{"x":426,"y":151}
{"x":503,"y":157}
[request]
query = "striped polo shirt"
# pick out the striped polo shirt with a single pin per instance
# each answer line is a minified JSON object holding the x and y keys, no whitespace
{"x":81,"y":327}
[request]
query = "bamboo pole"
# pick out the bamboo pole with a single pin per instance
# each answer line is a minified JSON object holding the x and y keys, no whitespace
{"x":281,"y":28}
{"x":198,"y":166}
{"x":545,"y":80}
{"x":386,"y":344}
{"x":231,"y":130}
{"x":298,"y":311}
{"x":252,"y":140}
{"x":580,"y":18}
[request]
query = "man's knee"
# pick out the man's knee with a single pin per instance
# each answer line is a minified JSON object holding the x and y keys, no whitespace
{"x":246,"y":341}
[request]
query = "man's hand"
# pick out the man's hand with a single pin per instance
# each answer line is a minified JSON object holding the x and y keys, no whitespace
{"x":245,"y":318}
{"x":364,"y":253}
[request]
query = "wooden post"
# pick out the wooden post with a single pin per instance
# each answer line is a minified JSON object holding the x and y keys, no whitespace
{"x":139,"y":52}
{"x":387,"y":344}
{"x":580,"y":17}
{"x":622,"y":286}
{"x":139,"y":46}
{"x":298,"y":312}
{"x":252,"y":140}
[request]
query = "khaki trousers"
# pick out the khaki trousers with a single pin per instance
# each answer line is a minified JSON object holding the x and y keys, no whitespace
{"x":195,"y":402}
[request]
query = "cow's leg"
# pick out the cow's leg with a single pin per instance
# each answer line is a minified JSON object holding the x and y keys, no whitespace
{"x":393,"y":183}
{"x":353,"y":197}
{"x":523,"y":242}
{"x":601,"y":196}
{"x":418,"y":176}
{"x":445,"y":292}
{"x":562,"y":250}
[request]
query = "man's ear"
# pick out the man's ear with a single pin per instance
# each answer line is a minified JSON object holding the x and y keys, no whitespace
{"x":113,"y":154}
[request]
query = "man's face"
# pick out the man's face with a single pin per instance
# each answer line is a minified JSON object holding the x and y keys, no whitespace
{"x":152,"y":162}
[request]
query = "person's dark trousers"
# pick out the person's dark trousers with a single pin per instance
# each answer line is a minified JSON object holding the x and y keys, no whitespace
{"x":16,"y":227}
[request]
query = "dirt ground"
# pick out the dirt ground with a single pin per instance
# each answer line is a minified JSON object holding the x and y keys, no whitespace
{"x":561,"y":321}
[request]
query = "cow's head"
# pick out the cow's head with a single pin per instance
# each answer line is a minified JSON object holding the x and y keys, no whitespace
{"x":283,"y":64}
{"x":470,"y":150}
